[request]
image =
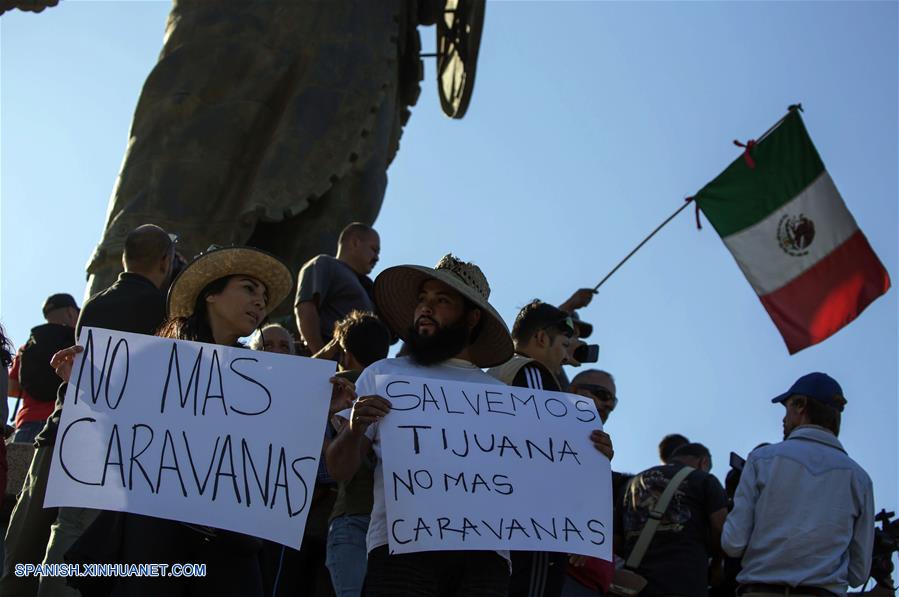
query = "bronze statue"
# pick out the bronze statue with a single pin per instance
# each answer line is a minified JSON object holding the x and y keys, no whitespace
{"x":272,"y":123}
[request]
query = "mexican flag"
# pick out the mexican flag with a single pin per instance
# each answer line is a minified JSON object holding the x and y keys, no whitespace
{"x":782,"y":218}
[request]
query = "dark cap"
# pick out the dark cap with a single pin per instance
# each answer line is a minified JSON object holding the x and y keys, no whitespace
{"x":59,"y":301}
{"x":819,"y":387}
{"x":584,"y":329}
{"x":538,"y":315}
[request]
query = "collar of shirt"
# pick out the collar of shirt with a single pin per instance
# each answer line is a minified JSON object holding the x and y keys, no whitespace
{"x":133,"y":277}
{"x":460,"y":363}
{"x":818,"y":434}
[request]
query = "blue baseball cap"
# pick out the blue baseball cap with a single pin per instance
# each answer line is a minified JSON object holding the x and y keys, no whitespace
{"x":818,"y":386}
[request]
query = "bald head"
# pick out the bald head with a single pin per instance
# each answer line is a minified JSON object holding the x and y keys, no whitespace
{"x":148,"y":251}
{"x":359,"y":246}
{"x":596,"y":376}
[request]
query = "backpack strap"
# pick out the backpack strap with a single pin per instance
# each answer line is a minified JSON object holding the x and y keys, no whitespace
{"x":655,"y":517}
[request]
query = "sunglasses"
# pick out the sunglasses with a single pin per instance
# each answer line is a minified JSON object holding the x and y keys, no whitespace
{"x":599,"y":392}
{"x":565,"y":326}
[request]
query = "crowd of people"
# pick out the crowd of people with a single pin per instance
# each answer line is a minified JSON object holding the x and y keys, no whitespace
{"x":799,"y":521}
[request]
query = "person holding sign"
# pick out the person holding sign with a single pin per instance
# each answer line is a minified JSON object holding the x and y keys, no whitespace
{"x":451,"y":332}
{"x":223,"y":295}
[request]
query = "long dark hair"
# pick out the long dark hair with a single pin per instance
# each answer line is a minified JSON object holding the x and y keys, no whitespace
{"x":195,"y":327}
{"x":6,"y":349}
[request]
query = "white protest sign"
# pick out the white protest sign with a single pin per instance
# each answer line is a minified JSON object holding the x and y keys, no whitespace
{"x":481,"y":466}
{"x":212,"y":435}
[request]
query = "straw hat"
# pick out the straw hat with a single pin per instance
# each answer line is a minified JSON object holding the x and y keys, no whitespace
{"x":396,"y":295}
{"x":218,"y":262}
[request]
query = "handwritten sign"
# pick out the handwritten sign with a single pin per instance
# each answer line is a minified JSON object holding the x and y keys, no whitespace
{"x":212,"y":435}
{"x":470,"y":466}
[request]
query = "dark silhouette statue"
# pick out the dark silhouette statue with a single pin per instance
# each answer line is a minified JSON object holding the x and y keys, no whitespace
{"x":272,"y":123}
{"x":267,"y":123}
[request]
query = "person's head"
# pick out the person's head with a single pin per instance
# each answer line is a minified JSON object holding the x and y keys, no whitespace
{"x":359,"y":246}
{"x":273,"y":337}
{"x":225,"y":294}
{"x":815,"y":399}
{"x":6,"y":349}
{"x":669,"y":444}
{"x":443,"y":313}
{"x":61,"y":309}
{"x":581,"y":327}
{"x":695,"y":455}
{"x":150,"y":252}
{"x":599,"y":386}
{"x":544,"y":333}
{"x":363,"y":339}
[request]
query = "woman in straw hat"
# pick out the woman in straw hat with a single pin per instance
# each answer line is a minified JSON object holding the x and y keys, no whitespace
{"x":223,"y":295}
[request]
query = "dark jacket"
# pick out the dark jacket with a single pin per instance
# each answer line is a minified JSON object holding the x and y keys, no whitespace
{"x":131,"y":304}
{"x":45,"y":340}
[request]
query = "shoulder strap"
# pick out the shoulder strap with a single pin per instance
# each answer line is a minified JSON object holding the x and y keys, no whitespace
{"x":655,"y":517}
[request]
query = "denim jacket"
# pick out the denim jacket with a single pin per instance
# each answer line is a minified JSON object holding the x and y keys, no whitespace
{"x":803,"y":515}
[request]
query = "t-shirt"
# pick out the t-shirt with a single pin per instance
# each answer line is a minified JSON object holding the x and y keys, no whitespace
{"x":354,"y":497}
{"x":676,"y":562}
{"x":453,"y":370}
{"x":336,"y":289}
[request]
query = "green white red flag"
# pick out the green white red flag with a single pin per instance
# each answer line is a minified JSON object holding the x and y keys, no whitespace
{"x":782,"y":218}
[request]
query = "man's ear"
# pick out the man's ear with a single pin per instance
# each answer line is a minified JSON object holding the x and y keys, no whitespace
{"x":473,"y":318}
{"x":165,"y":265}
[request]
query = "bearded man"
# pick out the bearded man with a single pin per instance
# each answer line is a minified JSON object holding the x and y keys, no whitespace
{"x":451,"y":332}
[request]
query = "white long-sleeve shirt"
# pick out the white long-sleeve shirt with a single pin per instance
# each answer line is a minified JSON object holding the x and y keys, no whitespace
{"x":803,"y":515}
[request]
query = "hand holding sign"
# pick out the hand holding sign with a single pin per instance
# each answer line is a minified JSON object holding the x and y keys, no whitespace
{"x":602,"y":442}
{"x":367,"y":410}
{"x":343,"y":393}
{"x":62,"y":361}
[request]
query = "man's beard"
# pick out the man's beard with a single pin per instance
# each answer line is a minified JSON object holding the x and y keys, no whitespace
{"x":443,"y":344}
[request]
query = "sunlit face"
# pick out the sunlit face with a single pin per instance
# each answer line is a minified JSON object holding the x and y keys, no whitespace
{"x":600,"y":388}
{"x":239,"y":308}
{"x":438,"y":306}
{"x":367,"y":248}
{"x":557,"y":351}
{"x":277,"y":339}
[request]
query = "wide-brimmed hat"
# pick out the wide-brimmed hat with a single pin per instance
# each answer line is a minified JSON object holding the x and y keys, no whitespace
{"x":396,"y":295}
{"x":218,"y":262}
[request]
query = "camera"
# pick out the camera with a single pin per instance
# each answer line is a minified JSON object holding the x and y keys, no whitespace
{"x":586,"y":353}
{"x":886,"y":542}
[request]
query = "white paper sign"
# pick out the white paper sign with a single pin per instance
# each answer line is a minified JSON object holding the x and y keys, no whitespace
{"x":471,"y":466}
{"x":213,"y":435}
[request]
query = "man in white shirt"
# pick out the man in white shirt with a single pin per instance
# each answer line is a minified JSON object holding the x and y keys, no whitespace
{"x":451,"y":332}
{"x":803,"y":516}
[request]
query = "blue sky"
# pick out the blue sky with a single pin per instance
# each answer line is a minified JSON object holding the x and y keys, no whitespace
{"x":590,"y":123}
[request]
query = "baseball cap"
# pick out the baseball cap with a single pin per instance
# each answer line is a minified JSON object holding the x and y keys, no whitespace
{"x":584,"y":329}
{"x":818,"y":386}
{"x":58,"y":301}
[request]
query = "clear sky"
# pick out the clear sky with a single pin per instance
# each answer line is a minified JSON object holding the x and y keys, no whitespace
{"x":590,"y":123}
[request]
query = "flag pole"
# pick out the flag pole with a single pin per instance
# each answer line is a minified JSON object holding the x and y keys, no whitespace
{"x":689,"y":200}
{"x":643,"y":242}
